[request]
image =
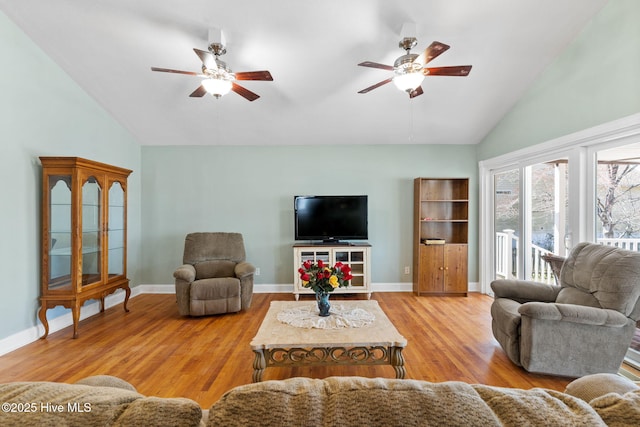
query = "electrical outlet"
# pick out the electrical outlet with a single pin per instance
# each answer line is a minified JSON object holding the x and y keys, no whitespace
{"x":257,"y":271}
{"x":407,"y":269}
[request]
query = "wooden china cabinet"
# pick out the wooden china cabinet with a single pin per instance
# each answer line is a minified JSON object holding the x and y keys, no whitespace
{"x":84,"y":234}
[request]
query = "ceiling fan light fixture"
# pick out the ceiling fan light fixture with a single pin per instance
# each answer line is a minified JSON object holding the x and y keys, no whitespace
{"x":409,"y":81}
{"x":216,"y":86}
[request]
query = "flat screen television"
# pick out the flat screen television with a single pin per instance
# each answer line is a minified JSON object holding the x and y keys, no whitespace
{"x":331,"y":218}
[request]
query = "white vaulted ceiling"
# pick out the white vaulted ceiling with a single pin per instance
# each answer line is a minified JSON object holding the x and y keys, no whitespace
{"x":312,"y":50}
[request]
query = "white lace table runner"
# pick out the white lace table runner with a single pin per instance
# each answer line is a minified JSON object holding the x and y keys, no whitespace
{"x":306,"y":316}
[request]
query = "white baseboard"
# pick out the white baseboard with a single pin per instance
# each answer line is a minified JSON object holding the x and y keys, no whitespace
{"x":29,"y":335}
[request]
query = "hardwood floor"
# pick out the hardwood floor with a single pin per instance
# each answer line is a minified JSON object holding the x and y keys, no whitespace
{"x":166,"y":355}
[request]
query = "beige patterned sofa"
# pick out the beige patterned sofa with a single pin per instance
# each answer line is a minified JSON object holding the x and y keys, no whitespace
{"x":601,"y":399}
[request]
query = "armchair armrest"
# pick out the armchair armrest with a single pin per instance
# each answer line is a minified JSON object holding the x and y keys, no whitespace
{"x":524,"y":290}
{"x":244,"y":269}
{"x":186,"y":272}
{"x":573,"y":313}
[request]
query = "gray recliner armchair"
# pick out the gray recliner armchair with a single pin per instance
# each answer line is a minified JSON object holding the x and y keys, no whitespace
{"x":584,"y":326}
{"x":215,"y":277}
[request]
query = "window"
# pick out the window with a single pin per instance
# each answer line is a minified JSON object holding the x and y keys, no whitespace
{"x":617,"y":207}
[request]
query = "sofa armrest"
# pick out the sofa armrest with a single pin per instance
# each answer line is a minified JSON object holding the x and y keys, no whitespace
{"x":573,"y":313}
{"x":186,"y":272}
{"x":593,"y":386}
{"x":244,"y":269}
{"x":524,"y":290}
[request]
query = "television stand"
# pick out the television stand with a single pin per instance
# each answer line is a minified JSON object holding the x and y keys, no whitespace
{"x":355,"y":255}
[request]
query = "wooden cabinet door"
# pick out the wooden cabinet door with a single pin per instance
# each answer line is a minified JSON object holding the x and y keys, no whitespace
{"x":455,"y":265}
{"x":431,"y":277}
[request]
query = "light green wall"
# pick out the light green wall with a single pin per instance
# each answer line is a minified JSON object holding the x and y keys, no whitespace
{"x":594,"y":81}
{"x":44,"y":113}
{"x":250,"y":190}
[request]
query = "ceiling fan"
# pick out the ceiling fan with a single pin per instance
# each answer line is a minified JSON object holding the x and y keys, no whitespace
{"x":409,"y":69}
{"x":218,"y":79}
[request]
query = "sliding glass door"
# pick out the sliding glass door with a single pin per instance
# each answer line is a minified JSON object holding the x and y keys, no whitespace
{"x":617,"y":210}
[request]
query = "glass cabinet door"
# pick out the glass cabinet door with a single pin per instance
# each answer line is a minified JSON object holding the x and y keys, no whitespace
{"x":91,"y":231}
{"x":59,"y":238}
{"x":116,"y":232}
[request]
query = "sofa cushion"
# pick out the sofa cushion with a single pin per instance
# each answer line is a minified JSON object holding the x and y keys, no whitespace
{"x":213,"y":296}
{"x":217,"y":268}
{"x":63,"y":404}
{"x":156,"y":411}
{"x":351,"y":401}
{"x":206,"y":246}
{"x":619,"y":409}
{"x":213,"y":289}
{"x":569,"y":295}
{"x":537,"y":407}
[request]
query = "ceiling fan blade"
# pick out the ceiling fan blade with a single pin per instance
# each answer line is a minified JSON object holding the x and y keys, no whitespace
{"x":459,"y":70}
{"x":377,"y":85}
{"x":254,"y":75}
{"x":375,"y":65}
{"x":246,"y":93}
{"x":199,"y":92}
{"x":416,"y":92}
{"x":169,"y":70}
{"x":431,"y":52}
{"x":207,"y":58}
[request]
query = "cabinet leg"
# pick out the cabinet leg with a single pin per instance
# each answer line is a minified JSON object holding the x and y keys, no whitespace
{"x":75,"y":312}
{"x":127,"y":294}
{"x":42,"y":315}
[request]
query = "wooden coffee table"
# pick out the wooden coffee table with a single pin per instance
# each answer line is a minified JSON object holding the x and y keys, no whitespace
{"x":280,"y":344}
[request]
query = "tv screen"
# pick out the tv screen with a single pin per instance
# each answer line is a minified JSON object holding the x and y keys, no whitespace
{"x":330,"y":218}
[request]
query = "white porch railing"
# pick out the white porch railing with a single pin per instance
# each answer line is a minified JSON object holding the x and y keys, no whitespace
{"x":628,"y":244}
{"x":507,"y":256}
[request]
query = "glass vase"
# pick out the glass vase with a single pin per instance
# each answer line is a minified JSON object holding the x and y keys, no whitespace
{"x":323,"y":303}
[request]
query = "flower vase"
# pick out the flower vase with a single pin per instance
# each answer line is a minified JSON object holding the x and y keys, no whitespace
{"x":323,"y":303}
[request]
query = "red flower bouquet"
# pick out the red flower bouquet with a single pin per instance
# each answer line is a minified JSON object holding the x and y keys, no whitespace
{"x":322,"y":278}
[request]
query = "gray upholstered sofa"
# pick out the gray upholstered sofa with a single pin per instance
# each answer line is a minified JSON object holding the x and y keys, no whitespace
{"x":581,"y":327}
{"x":336,"y":401}
{"x":215,"y":276}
